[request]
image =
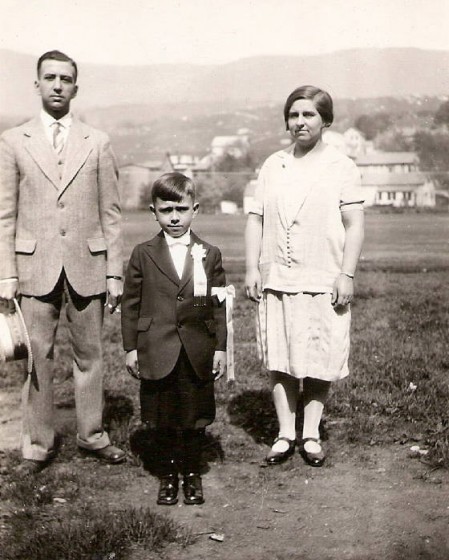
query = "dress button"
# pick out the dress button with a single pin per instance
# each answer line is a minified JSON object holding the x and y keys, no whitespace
{"x":63,"y":232}
{"x":60,"y":162}
{"x":180,"y":298}
{"x":61,"y":204}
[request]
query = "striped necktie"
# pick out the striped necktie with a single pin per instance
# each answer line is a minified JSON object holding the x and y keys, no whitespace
{"x":58,"y":137}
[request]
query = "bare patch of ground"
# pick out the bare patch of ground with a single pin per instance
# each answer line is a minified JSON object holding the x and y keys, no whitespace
{"x":366,"y":503}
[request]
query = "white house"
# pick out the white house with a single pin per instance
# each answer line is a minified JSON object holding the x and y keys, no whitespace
{"x":356,"y":144}
{"x":394,"y":179}
{"x":412,"y":189}
{"x":392,"y":162}
{"x":135,"y":178}
{"x":236,"y":146}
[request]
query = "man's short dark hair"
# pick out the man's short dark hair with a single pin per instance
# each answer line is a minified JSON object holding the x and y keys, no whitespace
{"x":173,"y":187}
{"x":57,"y":55}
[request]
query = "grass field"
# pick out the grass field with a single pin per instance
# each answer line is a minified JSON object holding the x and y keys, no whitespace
{"x":398,"y":390}
{"x":407,"y":241}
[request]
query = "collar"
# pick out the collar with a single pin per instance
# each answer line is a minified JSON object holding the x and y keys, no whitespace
{"x":183,"y":240}
{"x":323,"y":150}
{"x":47,"y":120}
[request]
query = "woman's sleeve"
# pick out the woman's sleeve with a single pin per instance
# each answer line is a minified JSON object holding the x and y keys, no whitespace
{"x":256,"y":205}
{"x":351,"y":196}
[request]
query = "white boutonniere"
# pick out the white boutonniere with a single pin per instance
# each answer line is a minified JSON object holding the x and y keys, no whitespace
{"x":198,"y":253}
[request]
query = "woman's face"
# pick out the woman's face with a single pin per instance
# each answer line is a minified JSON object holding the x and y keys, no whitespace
{"x":304,"y":123}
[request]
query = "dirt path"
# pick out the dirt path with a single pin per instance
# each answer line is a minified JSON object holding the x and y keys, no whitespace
{"x":365,"y":504}
{"x":383,"y":505}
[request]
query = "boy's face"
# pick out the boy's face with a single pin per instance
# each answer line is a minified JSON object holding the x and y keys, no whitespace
{"x":175,"y":217}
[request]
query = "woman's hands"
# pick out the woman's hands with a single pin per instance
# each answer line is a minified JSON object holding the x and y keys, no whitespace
{"x":343,"y":291}
{"x":253,"y":284}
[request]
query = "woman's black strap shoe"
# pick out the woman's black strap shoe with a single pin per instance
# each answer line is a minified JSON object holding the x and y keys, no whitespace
{"x":313,"y":459}
{"x":277,"y":457}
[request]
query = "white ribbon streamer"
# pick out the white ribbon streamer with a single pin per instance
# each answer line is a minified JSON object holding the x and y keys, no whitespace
{"x":228,"y":293}
{"x":198,"y":253}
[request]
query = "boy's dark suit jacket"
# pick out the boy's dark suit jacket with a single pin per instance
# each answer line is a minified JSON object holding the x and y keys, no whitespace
{"x":158,"y":315}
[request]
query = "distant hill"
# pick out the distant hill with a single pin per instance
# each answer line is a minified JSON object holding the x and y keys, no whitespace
{"x":245,"y":83}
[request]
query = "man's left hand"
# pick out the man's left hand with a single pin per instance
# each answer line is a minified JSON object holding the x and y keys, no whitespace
{"x":114,"y":294}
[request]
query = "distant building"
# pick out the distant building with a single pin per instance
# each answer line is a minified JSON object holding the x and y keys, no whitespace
{"x":135,"y":178}
{"x":394,"y":179}
{"x":392,"y":162}
{"x":236,"y":146}
{"x":228,"y":207}
{"x":356,"y":144}
{"x":336,"y":140}
{"x":398,"y":189}
{"x":351,"y":143}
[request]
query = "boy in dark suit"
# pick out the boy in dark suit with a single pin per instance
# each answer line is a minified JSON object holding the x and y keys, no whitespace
{"x":174,"y":333}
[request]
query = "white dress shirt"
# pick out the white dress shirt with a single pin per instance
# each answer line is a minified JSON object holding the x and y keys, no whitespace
{"x":178,"y":247}
{"x":48,"y":121}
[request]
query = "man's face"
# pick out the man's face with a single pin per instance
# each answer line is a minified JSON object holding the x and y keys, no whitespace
{"x":175,"y":217}
{"x":56,"y":85}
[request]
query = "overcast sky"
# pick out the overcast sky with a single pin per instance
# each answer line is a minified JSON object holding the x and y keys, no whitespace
{"x":217,"y":31}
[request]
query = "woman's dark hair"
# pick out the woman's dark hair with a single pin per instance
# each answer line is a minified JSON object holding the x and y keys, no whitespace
{"x":57,"y":55}
{"x":321,"y":99}
{"x":173,"y":186}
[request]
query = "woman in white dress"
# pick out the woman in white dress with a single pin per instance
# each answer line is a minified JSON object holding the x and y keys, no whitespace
{"x":303,"y":240}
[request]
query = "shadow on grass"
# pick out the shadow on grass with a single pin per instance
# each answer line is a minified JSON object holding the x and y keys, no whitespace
{"x":144,"y":446}
{"x":254,"y":412}
{"x":117,"y":414}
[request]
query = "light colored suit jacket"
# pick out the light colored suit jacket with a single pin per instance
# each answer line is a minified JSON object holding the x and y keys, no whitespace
{"x":55,"y":216}
{"x":158,"y":312}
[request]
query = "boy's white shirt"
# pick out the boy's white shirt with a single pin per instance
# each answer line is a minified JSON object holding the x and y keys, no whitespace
{"x":178,"y":247}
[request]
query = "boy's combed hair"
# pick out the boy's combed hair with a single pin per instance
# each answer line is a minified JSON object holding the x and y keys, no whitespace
{"x":173,"y":186}
{"x":57,"y":55}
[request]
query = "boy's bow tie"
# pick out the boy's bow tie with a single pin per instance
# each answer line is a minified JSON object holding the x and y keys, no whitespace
{"x":184,"y":240}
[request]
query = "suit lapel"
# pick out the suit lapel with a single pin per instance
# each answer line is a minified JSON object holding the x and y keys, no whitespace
{"x":77,"y":150}
{"x":159,"y":252}
{"x":39,"y":148}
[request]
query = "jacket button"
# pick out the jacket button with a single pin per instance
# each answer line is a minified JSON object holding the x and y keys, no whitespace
{"x":179,"y":326}
{"x":63,"y":232}
{"x":61,"y":204}
{"x":180,"y":298}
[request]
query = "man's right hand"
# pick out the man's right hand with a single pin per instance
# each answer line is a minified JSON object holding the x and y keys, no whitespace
{"x":132,"y":365}
{"x":9,"y":288}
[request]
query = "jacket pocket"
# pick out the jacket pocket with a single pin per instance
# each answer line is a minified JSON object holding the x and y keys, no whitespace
{"x":27,"y":246}
{"x":143,"y":323}
{"x":96,"y":244}
{"x":210,"y":324}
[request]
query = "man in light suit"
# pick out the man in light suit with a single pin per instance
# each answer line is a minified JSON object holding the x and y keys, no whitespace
{"x":60,"y":244}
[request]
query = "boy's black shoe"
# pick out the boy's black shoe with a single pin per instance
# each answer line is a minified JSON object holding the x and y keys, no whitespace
{"x":193,"y":489}
{"x":168,"y":490}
